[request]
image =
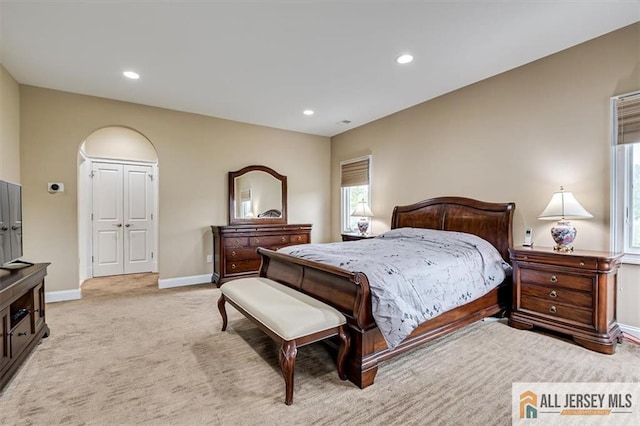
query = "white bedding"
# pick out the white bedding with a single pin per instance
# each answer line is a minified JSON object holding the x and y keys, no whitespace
{"x":414,"y":274}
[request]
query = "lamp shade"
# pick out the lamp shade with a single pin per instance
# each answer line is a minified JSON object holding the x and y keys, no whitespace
{"x":362,"y":210}
{"x":563,"y":205}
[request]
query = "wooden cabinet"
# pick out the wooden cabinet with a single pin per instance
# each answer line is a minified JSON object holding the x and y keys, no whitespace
{"x":572,"y":293}
{"x":235,"y":247}
{"x":22,"y":316}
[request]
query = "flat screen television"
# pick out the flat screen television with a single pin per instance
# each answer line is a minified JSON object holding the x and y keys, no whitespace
{"x":11,"y":226}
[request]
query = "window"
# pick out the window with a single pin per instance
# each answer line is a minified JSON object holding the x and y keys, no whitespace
{"x":354,"y":183}
{"x":626,"y":176}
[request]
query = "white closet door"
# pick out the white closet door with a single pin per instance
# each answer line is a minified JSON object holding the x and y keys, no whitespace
{"x":122,"y":219}
{"x":108,"y":223}
{"x":138,"y":207}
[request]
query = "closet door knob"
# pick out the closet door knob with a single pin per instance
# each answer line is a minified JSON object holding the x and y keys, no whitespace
{"x":117,"y":225}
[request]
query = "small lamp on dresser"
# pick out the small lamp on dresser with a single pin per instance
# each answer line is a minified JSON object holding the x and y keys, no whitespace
{"x":563,"y":206}
{"x":363,"y":212}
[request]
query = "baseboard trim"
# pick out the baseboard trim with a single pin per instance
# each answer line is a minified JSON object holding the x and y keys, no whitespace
{"x":184,"y":281}
{"x":633,"y":333}
{"x":62,"y":295}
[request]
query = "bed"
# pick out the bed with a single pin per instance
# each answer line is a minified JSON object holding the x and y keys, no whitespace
{"x":349,"y":292}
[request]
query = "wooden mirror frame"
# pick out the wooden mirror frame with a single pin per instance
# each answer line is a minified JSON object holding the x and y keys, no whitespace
{"x":233,"y":220}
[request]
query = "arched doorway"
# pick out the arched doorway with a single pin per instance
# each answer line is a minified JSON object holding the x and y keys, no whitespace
{"x":117,"y":203}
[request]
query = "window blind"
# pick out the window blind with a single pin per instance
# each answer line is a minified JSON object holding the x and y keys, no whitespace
{"x":628,"y":119}
{"x":355,"y":173}
{"x":245,"y":195}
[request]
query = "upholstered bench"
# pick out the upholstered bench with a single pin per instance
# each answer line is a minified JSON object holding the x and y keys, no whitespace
{"x":287,"y":316}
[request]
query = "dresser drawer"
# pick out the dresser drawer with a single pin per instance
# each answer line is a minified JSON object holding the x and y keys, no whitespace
{"x":240,"y":266}
{"x":236,"y":253}
{"x":557,"y":295}
{"x":20,"y":335}
{"x":269,"y":240}
{"x":556,"y":310}
{"x":236,"y":242}
{"x":299,"y":239}
{"x":556,"y":279}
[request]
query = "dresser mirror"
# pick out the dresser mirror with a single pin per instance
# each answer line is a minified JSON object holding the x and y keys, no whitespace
{"x":257,"y":195}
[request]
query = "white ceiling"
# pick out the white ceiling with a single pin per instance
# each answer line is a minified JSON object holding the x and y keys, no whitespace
{"x":264,"y":62}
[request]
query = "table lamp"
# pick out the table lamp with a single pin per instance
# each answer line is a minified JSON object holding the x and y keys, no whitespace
{"x":563,"y":206}
{"x":363,"y":212}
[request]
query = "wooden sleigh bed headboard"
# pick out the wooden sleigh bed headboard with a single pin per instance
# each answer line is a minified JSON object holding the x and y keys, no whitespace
{"x":490,"y":221}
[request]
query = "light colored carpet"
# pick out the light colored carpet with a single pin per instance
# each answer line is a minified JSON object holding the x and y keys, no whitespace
{"x":128,"y":353}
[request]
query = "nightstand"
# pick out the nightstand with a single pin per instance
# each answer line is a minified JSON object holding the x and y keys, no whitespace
{"x":572,"y":293}
{"x":355,"y":236}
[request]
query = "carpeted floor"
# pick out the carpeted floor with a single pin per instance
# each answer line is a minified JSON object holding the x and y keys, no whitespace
{"x":128,"y":353}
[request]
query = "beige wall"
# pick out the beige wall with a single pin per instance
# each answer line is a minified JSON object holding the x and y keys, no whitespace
{"x":9,"y":127}
{"x":194,"y":155}
{"x":119,"y":143}
{"x":515,"y":137}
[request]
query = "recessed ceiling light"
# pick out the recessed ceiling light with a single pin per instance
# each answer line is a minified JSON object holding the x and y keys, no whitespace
{"x":404,"y":59}
{"x":307,"y":112}
{"x":132,"y":75}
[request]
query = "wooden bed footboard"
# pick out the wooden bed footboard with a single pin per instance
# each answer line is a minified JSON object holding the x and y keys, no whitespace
{"x":346,"y":291}
{"x":349,"y":293}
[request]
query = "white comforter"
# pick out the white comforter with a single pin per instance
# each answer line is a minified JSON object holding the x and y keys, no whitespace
{"x":414,"y":274}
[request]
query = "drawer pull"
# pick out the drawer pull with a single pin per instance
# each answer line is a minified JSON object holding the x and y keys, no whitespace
{"x":526,"y":258}
{"x":553,"y":294}
{"x":553,"y":309}
{"x":299,"y":238}
{"x":581,"y":263}
{"x":233,"y":253}
{"x":553,"y":279}
{"x":233,"y":266}
{"x":257,"y":240}
{"x":283,"y":239}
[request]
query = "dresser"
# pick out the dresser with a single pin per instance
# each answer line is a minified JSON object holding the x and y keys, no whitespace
{"x":572,"y":293}
{"x":234,"y":247}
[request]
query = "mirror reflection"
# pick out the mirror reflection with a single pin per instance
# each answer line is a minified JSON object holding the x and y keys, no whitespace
{"x":258,"y":195}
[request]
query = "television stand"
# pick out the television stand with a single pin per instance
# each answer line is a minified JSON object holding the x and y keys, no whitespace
{"x":22,"y":316}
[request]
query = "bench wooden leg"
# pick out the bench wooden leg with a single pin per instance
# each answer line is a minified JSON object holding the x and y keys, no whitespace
{"x":288,"y":353}
{"x":343,"y":351}
{"x":223,"y":312}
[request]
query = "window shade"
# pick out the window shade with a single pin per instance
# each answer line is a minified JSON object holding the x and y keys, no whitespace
{"x":628,"y":119}
{"x":245,"y":195}
{"x":355,"y":173}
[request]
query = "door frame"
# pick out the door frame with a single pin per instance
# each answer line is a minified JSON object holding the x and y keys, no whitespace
{"x":85,"y":208}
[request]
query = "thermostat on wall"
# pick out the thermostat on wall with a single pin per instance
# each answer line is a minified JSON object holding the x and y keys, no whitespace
{"x":55,"y":187}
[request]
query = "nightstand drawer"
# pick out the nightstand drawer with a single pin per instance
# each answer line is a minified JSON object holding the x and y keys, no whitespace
{"x":543,"y":277}
{"x":557,"y":295}
{"x":557,"y":259}
{"x":557,"y":310}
